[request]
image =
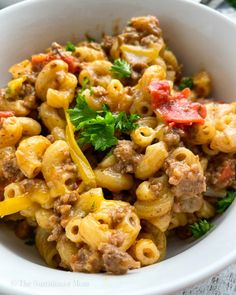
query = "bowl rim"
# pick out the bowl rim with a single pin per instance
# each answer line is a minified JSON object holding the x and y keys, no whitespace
{"x":195,"y":276}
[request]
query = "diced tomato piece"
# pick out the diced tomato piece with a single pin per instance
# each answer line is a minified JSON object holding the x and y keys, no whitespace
{"x":175,"y":109}
{"x":182,"y":112}
{"x":6,"y":114}
{"x":160,"y":92}
{"x":182,"y":94}
{"x":226,"y":173}
{"x":43,"y":59}
{"x":73,"y":63}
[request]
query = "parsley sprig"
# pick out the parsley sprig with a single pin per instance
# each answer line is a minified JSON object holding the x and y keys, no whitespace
{"x":98,"y":127}
{"x":200,"y":228}
{"x":186,"y":82}
{"x":225,"y":202}
{"x":70,"y":46}
{"x":232,"y":2}
{"x":121,"y":69}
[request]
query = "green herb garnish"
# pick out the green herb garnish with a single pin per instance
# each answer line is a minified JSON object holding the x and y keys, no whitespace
{"x":200,"y":228}
{"x":98,"y":127}
{"x":70,"y":46}
{"x":100,"y":132}
{"x":225,"y":202}
{"x":126,"y":123}
{"x":121,"y":69}
{"x":232,"y":2}
{"x":186,"y":82}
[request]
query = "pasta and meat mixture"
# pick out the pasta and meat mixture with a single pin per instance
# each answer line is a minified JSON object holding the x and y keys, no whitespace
{"x":106,"y":149}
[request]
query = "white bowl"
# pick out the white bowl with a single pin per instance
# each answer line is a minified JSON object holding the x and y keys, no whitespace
{"x":201,"y":38}
{"x":5,"y":3}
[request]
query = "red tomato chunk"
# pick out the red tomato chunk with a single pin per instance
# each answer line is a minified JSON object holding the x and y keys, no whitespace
{"x":6,"y":114}
{"x":42,"y":59}
{"x":175,"y":109}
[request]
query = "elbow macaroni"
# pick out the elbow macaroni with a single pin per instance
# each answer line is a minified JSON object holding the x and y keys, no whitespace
{"x":29,"y":155}
{"x":55,"y":85}
{"x":152,"y":161}
{"x":55,"y":172}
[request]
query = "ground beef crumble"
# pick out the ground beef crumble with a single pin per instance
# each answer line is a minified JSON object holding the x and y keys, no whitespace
{"x":107,"y":258}
{"x":188,"y":184}
{"x":127,"y":156}
{"x":221,"y":172}
{"x":186,"y":180}
{"x":63,"y":210}
{"x":86,"y":260}
{"x":9,"y":168}
{"x":173,"y":136}
{"x":115,"y":260}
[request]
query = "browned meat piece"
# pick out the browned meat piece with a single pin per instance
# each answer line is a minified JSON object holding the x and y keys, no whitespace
{"x":146,"y":24}
{"x":107,"y":43}
{"x":139,"y":67}
{"x":87,"y":260}
{"x":126,"y":155}
{"x":69,"y":198}
{"x":186,"y":180}
{"x":23,"y":230}
{"x":55,"y":233}
{"x":173,"y":136}
{"x":150,"y":39}
{"x":221,"y":172}
{"x":8,"y":168}
{"x":117,"y":238}
{"x":63,"y":207}
{"x":28,"y":185}
{"x":63,"y":211}
{"x":130,"y":36}
{"x":117,"y":215}
{"x":156,"y":187}
{"x":57,"y":229}
{"x":188,"y":204}
{"x":107,"y":258}
{"x":99,"y":91}
{"x":11,"y":171}
{"x":115,"y":260}
{"x":28,"y":93}
{"x":141,"y":30}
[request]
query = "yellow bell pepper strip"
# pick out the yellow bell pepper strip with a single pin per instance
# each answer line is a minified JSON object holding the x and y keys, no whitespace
{"x":14,"y":86}
{"x":14,"y":205}
{"x":83,"y":166}
{"x":133,"y":53}
{"x":142,"y":51}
